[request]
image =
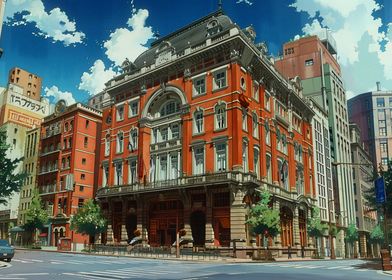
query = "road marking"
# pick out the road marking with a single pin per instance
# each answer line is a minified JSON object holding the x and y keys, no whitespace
{"x":347,"y":268}
{"x":102,"y":276}
{"x":334,"y":267}
{"x":27,"y":274}
{"x":82,"y":276}
{"x":11,"y":278}
{"x":363,"y":269}
{"x":17,"y":260}
{"x":34,"y":260}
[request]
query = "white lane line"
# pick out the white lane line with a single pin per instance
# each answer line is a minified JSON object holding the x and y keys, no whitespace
{"x":33,"y":260}
{"x":17,"y":260}
{"x":347,"y":268}
{"x":133,"y":270}
{"x":63,"y":262}
{"x":363,"y":269}
{"x":114,"y":273}
{"x":103,"y":276}
{"x":335,"y":267}
{"x":28,"y":274}
{"x":82,"y":276}
{"x":11,"y":278}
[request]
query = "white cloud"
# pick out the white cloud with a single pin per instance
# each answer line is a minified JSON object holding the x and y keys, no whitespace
{"x":129,"y":42}
{"x":94,"y":80}
{"x":359,"y":41}
{"x":57,"y":94}
{"x":54,"y":24}
{"x":250,"y":3}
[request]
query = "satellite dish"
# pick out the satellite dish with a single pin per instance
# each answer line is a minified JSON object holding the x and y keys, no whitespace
{"x":60,"y":106}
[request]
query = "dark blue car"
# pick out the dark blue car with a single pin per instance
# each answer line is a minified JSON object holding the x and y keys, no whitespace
{"x":6,"y":250}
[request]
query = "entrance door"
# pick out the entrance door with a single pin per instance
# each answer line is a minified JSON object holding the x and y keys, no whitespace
{"x":198,"y":226}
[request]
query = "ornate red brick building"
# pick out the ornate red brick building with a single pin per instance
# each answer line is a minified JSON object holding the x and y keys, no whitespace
{"x":199,"y":122}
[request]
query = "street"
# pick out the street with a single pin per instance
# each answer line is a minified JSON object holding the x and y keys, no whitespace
{"x":53,"y":265}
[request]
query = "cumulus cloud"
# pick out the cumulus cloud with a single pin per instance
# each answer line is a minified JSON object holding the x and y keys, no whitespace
{"x":55,"y":95}
{"x":54,"y":24}
{"x":364,"y":52}
{"x":250,"y":3}
{"x":94,"y":80}
{"x":129,"y":42}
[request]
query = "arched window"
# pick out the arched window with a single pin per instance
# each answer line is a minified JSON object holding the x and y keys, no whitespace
{"x":133,"y":139}
{"x":170,"y":107}
{"x":107,"y":144}
{"x":244,"y":119}
{"x":120,"y":142}
{"x":220,"y":116}
{"x":198,"y":121}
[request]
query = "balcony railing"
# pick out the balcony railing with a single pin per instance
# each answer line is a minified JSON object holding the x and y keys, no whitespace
{"x":47,"y":189}
{"x":51,"y":133}
{"x":182,"y":182}
{"x":49,"y":170}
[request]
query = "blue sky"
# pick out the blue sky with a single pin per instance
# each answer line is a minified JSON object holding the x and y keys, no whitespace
{"x":75,"y":46}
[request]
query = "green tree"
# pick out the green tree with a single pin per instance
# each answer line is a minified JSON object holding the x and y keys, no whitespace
{"x":264,"y":219}
{"x":351,"y":236}
{"x":89,"y":220}
{"x":10,"y":181}
{"x":36,"y":216}
{"x":377,"y":235}
{"x":315,"y":228}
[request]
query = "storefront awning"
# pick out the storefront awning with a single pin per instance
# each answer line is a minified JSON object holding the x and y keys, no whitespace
{"x":17,"y":229}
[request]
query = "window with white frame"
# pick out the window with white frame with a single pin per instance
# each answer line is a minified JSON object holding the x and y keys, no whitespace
{"x":107,"y":144}
{"x":245,"y":164}
{"x":174,"y":167}
{"x":152,"y":169}
{"x":244,"y":119}
{"x":175,"y":131}
{"x":255,"y":90}
{"x":105,"y":175}
{"x":120,"y":113}
{"x":164,"y":134}
{"x":133,"y":108}
{"x":198,"y":122}
{"x":267,"y":101}
{"x":118,"y":173}
{"x":220,"y":79}
{"x":199,"y":86}
{"x":162,"y":167}
{"x":243,"y":83}
{"x":198,"y":160}
{"x":255,"y":123}
{"x":120,"y":142}
{"x":283,"y":172}
{"x":132,"y":171}
{"x":133,"y":139}
{"x":220,"y":156}
{"x":169,"y":108}
{"x":267,"y":133}
{"x":269,"y":167}
{"x":256,"y":161}
{"x":220,"y":116}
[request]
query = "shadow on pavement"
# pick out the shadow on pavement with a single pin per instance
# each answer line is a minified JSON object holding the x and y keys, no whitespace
{"x":374,"y":264}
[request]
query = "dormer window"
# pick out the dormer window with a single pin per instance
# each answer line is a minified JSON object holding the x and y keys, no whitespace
{"x":213,"y":27}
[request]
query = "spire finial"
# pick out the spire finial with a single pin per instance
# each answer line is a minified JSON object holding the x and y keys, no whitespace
{"x":220,"y":5}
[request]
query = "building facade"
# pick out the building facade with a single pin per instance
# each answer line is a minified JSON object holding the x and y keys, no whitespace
{"x":372,"y":112}
{"x":323,"y":172}
{"x":69,"y":151}
{"x":199,"y":123}
{"x":100,"y":101}
{"x":366,"y":217}
{"x":314,"y":61}
{"x":19,"y":113}
{"x":25,"y":83}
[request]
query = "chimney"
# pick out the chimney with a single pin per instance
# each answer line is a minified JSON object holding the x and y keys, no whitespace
{"x":378,"y":86}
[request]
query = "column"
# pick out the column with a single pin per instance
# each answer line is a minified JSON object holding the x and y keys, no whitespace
{"x":124,"y":233}
{"x":340,"y":246}
{"x":141,"y":226}
{"x":278,"y":240}
{"x":362,"y":242}
{"x":237,"y":222}
{"x":310,"y":239}
{"x":110,"y":234}
{"x":187,"y":224}
{"x":297,"y":238}
{"x":209,"y":228}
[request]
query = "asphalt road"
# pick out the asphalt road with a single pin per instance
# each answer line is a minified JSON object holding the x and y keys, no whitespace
{"x":53,"y":265}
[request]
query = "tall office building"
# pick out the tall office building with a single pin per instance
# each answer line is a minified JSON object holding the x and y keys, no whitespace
{"x":372,"y":112}
{"x":313,"y":59}
{"x":19,"y":112}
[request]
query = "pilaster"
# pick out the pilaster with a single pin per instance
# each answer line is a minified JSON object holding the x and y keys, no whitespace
{"x":237,"y":222}
{"x":297,"y":238}
{"x":209,"y":228}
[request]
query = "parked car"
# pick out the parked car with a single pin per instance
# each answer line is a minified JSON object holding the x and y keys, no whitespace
{"x":6,"y":250}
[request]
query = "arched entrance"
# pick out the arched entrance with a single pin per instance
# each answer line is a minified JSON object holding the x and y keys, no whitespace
{"x":166,"y":218}
{"x":198,"y":226}
{"x":286,"y":224}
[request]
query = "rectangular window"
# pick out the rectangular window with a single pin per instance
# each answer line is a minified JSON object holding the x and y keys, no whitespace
{"x":380,"y":102}
{"x":245,"y":165}
{"x":267,"y":101}
{"x":255,"y":90}
{"x":118,"y":174}
{"x":256,"y":165}
{"x":382,"y":131}
{"x":199,"y":86}
{"x":221,"y":158}
{"x":220,"y":79}
{"x":132,"y":176}
{"x":220,"y":117}
{"x":133,"y":139}
{"x":83,"y":176}
{"x":175,"y":171}
{"x":87,"y":123}
{"x":164,"y":134}
{"x":198,"y":125}
{"x":384,"y":161}
{"x":390,"y":101}
{"x":83,"y":161}
{"x":105,"y":175}
{"x":163,"y":167}
{"x":309,"y":62}
{"x":80,"y":202}
{"x":175,"y":131}
{"x":384,"y":145}
{"x":244,"y":119}
{"x":133,"y":108}
{"x":120,"y":113}
{"x":198,"y":154}
{"x":255,"y":125}
{"x":85,"y":142}
{"x":268,"y":166}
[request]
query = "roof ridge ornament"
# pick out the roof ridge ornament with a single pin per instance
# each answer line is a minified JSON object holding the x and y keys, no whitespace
{"x":220,"y":5}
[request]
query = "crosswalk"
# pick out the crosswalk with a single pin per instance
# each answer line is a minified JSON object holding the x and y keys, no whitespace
{"x":71,"y":261}
{"x":124,"y":273}
{"x":309,"y":266}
